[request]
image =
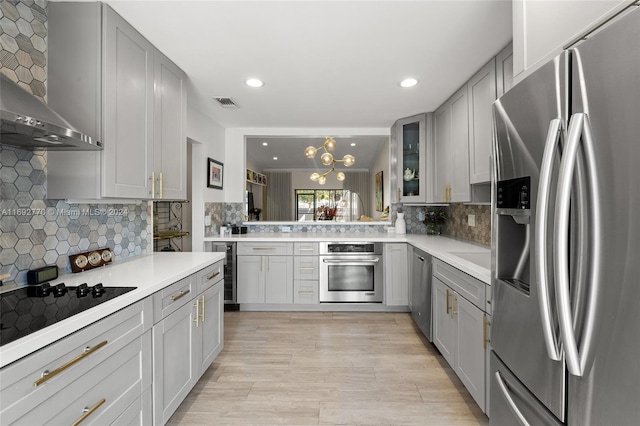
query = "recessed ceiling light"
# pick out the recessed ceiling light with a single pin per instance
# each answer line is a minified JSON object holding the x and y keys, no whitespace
{"x":265,"y":144}
{"x":275,"y":158}
{"x":254,"y":82}
{"x":353,"y":144}
{"x":408,"y":82}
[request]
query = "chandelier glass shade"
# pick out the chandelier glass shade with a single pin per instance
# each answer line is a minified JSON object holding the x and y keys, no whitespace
{"x":327,"y":159}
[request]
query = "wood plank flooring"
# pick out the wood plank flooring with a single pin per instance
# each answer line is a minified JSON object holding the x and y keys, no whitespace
{"x":315,"y":368}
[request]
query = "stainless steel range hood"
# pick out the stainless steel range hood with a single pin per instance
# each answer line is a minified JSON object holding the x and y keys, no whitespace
{"x":30,"y":124}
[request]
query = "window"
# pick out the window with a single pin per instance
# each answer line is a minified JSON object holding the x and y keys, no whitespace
{"x":317,"y":204}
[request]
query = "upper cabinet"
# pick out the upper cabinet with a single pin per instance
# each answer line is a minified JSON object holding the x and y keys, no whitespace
{"x":451,"y":134}
{"x":542,"y":29}
{"x":463,"y":132}
{"x":412,"y":142}
{"x":482,"y":93}
{"x":504,"y":70}
{"x":117,"y":87}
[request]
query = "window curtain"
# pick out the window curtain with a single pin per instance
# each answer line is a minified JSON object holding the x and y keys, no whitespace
{"x":279,"y":197}
{"x":359,"y":183}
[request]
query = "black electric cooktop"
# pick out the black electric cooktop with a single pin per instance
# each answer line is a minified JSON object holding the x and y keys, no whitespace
{"x":28,"y":309}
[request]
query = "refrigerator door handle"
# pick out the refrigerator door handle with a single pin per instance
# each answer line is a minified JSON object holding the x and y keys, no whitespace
{"x":579,"y":128}
{"x":542,"y":215}
{"x":512,"y":405}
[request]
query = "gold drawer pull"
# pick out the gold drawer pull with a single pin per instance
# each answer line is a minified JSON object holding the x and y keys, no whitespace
{"x":46,"y":375}
{"x":197,"y":318}
{"x":306,"y":249}
{"x":202,"y":314}
{"x":306,"y":292}
{"x":180,"y":295}
{"x":448,"y":307}
{"x":89,"y":411}
{"x":212,"y":276}
{"x":307,"y":268}
{"x":264,"y":248}
{"x":485,"y":325}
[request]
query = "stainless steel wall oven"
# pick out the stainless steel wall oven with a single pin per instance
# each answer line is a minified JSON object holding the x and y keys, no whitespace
{"x":351,"y":272}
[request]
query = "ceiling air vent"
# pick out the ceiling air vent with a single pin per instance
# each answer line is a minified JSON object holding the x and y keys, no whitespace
{"x":225,"y":102}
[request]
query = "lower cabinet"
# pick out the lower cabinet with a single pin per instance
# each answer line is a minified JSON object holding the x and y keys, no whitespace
{"x":186,"y":341}
{"x":265,"y":278}
{"x":306,"y":272}
{"x":123,"y":369}
{"x":95,"y":374}
{"x":173,"y":361}
{"x":396,"y":274}
{"x":460,"y":332}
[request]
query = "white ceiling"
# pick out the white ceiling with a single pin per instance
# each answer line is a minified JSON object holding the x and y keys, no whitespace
{"x":325,"y":63}
{"x":290,"y":152}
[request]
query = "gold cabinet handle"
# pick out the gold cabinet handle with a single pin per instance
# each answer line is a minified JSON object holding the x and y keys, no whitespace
{"x":307,"y":268}
{"x":264,"y":248}
{"x":485,"y":325}
{"x":88,"y":411}
{"x":212,"y":276}
{"x":448,"y":307}
{"x":153,"y":184}
{"x":306,"y":292}
{"x":453,"y":304}
{"x":399,"y":194}
{"x":197,"y":318}
{"x":202,"y":313}
{"x":306,"y":249}
{"x":46,"y":375}
{"x":161,"y":186}
{"x":180,"y":295}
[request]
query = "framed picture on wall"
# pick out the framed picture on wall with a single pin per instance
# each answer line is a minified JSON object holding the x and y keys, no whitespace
{"x":379,"y":194}
{"x":214,"y":173}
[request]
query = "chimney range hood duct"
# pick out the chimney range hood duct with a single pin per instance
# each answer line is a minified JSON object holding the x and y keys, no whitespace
{"x":30,"y":124}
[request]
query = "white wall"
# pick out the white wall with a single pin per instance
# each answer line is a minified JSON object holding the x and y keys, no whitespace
{"x":207,"y":141}
{"x":235,"y":148}
{"x":380,"y":163}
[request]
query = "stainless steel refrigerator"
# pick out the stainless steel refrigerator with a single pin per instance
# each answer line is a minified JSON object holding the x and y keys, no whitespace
{"x":566,"y":237}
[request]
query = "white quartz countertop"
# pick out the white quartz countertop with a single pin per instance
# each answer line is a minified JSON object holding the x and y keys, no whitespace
{"x":149,"y":273}
{"x":473,"y":259}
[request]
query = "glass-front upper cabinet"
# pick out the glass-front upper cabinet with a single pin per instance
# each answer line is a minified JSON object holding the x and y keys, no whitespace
{"x":414,"y":153}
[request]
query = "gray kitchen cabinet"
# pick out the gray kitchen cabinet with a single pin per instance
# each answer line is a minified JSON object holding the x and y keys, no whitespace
{"x":412,"y":144}
{"x":174,"y":369}
{"x":306,"y":272}
{"x":209,"y":341}
{"x":396,"y":274}
{"x":444,"y":327}
{"x":542,"y":29}
{"x":482,"y":94}
{"x":504,"y":70}
{"x":451,"y":146}
{"x":115,"y":86}
{"x":101,"y":370}
{"x":251,"y":278}
{"x":470,"y":353}
{"x":461,"y":327}
{"x":265,"y":273}
{"x":187,"y":338}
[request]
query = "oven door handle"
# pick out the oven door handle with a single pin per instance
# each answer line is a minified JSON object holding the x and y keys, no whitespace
{"x":351,"y":261}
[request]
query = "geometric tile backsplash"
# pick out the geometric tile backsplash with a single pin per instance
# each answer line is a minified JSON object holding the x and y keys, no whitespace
{"x":35,"y":231}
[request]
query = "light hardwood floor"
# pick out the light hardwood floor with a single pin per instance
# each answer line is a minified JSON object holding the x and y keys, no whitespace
{"x":327,"y":368}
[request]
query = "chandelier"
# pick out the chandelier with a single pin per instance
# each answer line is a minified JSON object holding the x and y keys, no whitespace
{"x":327,"y":159}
